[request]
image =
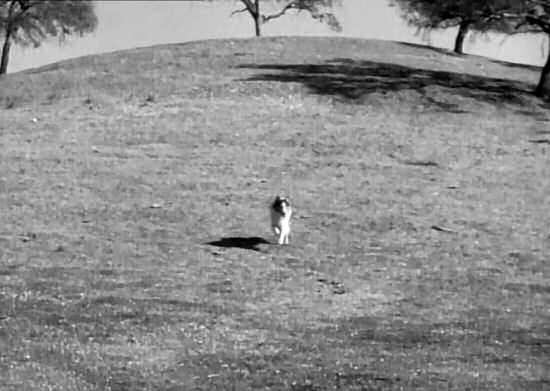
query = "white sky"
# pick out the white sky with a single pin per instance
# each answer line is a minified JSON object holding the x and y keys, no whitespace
{"x":128,"y":24}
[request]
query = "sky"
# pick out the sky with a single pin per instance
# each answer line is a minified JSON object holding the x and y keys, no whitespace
{"x":129,"y":24}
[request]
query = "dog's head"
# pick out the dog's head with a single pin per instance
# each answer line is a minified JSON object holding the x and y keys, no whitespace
{"x":281,"y":205}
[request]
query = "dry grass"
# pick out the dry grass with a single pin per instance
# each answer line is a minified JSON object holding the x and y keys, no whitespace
{"x":118,"y":172}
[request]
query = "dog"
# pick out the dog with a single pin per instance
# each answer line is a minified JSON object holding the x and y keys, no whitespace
{"x":280,"y":219}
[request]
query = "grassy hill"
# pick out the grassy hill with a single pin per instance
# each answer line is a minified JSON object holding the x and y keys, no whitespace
{"x":134,"y":189}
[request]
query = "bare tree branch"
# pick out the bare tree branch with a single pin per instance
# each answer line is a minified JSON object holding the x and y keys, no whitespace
{"x":543,"y":24}
{"x":314,"y":8}
{"x":250,"y":6}
{"x":238,"y":11}
{"x":281,"y":13}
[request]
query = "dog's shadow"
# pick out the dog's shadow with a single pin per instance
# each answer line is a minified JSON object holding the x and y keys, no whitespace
{"x":247,"y":243}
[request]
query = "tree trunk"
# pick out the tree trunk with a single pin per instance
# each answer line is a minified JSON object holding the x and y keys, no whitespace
{"x":258,"y":19}
{"x":543,"y":88}
{"x":5,"y":54}
{"x":462,"y":31}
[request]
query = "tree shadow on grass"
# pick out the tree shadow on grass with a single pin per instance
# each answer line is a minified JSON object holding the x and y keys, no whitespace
{"x":534,"y":68}
{"x":246,"y":243}
{"x":353,"y":80}
{"x":447,"y":52}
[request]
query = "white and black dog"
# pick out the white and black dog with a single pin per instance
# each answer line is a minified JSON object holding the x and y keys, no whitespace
{"x":280,"y":218}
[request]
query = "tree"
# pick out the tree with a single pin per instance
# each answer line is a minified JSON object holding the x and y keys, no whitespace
{"x":509,"y":16}
{"x":535,"y":14}
{"x":29,"y":22}
{"x":528,"y":16}
{"x":316,"y":9}
{"x":477,"y":15}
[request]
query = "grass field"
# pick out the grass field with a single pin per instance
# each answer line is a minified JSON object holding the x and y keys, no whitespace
{"x":134,"y":228}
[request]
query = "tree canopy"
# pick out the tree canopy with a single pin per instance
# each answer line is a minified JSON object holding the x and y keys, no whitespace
{"x":534,"y":15}
{"x":29,"y":22}
{"x":477,"y":15}
{"x":509,"y":16}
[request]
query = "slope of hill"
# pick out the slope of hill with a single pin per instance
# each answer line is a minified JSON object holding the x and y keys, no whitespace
{"x":134,"y":193}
